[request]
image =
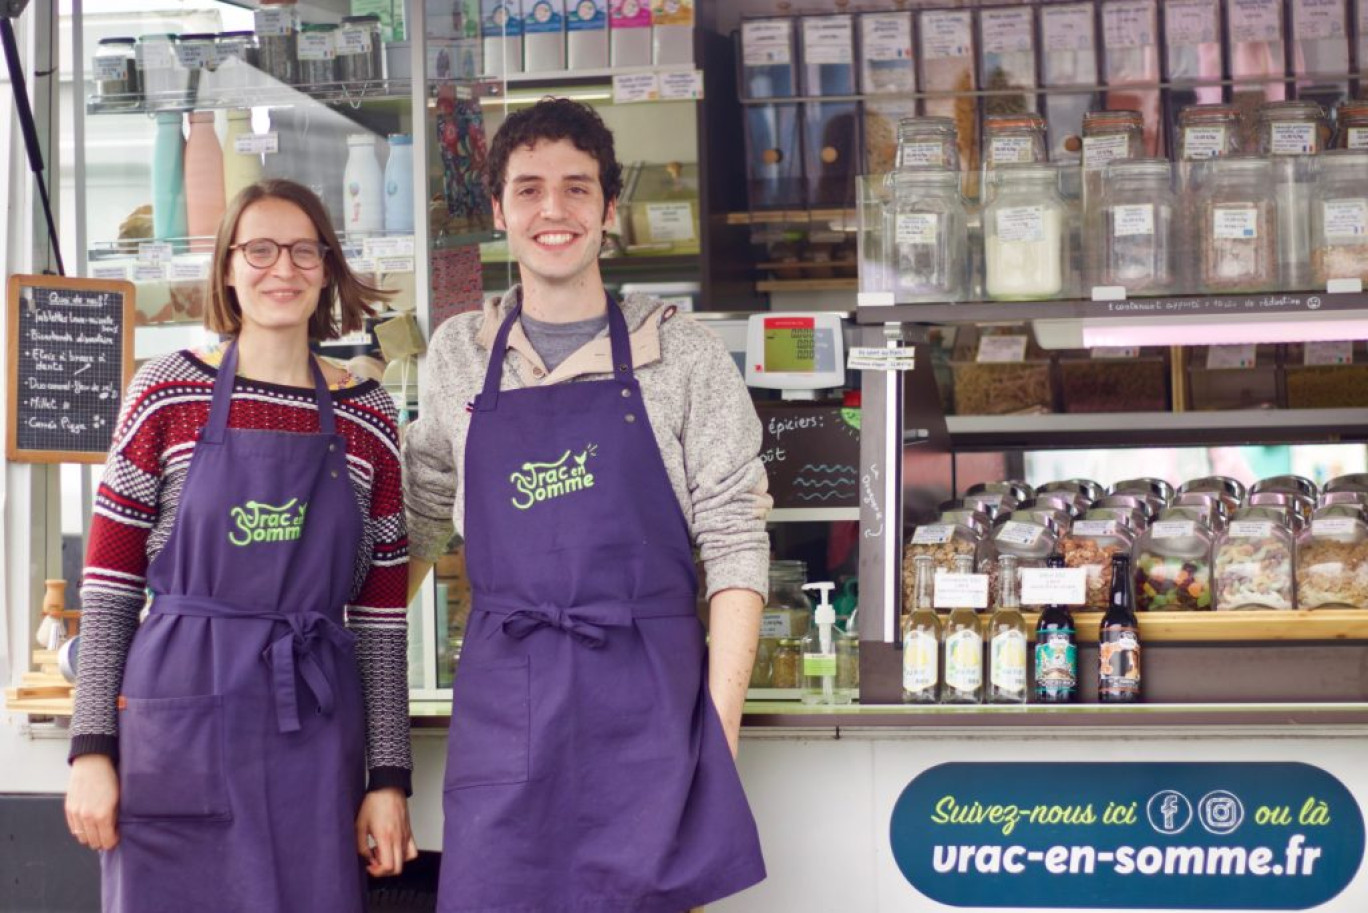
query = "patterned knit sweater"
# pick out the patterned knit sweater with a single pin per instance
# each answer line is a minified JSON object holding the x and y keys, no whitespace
{"x":135,"y":511}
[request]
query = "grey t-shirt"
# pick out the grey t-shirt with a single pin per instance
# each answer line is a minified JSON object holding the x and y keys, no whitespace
{"x":555,"y":342}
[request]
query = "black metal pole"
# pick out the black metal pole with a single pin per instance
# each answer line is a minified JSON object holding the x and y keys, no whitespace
{"x":35,"y":152}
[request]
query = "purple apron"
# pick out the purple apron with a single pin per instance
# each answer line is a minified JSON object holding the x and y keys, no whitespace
{"x":241,"y":723}
{"x":587,"y":769}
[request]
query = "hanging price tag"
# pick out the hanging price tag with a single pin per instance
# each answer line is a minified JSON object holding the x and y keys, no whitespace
{"x":876,"y":359}
{"x":681,"y":85}
{"x":1329,"y":353}
{"x":629,"y":88}
{"x":155,"y":252}
{"x":189,"y":270}
{"x":960,"y":591}
{"x":257,"y":144}
{"x":1002,"y":348}
{"x":1054,"y":585}
{"x":1223,"y":357}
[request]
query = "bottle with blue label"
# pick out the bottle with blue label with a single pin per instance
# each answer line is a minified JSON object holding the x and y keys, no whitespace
{"x":823,"y":682}
{"x":399,"y":184}
{"x":1056,"y":652}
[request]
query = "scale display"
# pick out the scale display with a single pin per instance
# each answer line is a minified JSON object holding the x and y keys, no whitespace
{"x":794,"y":351}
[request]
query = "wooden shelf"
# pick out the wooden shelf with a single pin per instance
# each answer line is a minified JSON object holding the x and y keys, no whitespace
{"x":1232,"y":627}
{"x":806,"y":285}
{"x":1161,"y":429}
{"x":784,"y":216}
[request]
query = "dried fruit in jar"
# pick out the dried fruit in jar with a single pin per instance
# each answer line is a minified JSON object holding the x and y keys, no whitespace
{"x":1253,"y":574}
{"x":1332,"y":573}
{"x":1096,"y":559}
{"x":1164,"y":583}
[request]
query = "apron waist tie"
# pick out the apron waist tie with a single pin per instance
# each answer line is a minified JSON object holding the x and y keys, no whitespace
{"x":586,"y":623}
{"x":290,"y":655}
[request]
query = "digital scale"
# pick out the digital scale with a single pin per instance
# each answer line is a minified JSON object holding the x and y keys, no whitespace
{"x":798,"y":353}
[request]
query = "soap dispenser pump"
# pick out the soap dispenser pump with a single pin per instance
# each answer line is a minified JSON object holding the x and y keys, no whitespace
{"x":820,"y":682}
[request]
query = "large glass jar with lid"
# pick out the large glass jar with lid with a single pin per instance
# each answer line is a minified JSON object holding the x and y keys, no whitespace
{"x":277,"y":30}
{"x":1291,"y":132}
{"x":787,"y":614}
{"x":1237,"y":217}
{"x":1025,"y":235}
{"x":928,"y":142}
{"x":1229,"y":490}
{"x":943,"y":542}
{"x":927,"y":231}
{"x":1030,"y":538}
{"x":1138,"y":218}
{"x":1351,"y":125}
{"x":1339,"y":217}
{"x":1107,"y":136}
{"x":1012,"y":138}
{"x":1090,"y":544}
{"x":114,"y":70}
{"x":1173,"y":563}
{"x":1332,"y":559}
{"x":1253,"y":561}
{"x":1208,"y":132}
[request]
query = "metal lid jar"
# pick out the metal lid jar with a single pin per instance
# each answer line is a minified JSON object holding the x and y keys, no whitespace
{"x":317,"y":44}
{"x":1012,"y":138}
{"x":1238,"y":226}
{"x":1090,"y":544}
{"x":1025,"y":235}
{"x":1332,"y":559}
{"x":927,"y":142}
{"x":1292,"y":128}
{"x":1208,"y":131}
{"x":1253,"y":561}
{"x":1138,"y":218}
{"x":114,"y":72}
{"x":277,"y":29}
{"x":1173,"y":563}
{"x":359,"y":51}
{"x":1339,"y":217}
{"x":928,"y":236}
{"x":1351,"y":125}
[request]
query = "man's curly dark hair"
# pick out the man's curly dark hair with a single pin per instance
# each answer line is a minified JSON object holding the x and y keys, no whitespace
{"x":555,"y":119}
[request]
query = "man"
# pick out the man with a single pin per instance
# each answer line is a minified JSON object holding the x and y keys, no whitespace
{"x":581,"y":447}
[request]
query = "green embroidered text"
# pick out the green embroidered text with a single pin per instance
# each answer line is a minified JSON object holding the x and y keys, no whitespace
{"x":259,"y":522}
{"x":537,"y":482}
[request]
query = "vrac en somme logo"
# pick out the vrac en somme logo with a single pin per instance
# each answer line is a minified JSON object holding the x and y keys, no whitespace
{"x":257,"y":521}
{"x":537,"y":482}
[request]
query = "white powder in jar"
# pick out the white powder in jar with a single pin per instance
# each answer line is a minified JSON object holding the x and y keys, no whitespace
{"x":1023,"y":257}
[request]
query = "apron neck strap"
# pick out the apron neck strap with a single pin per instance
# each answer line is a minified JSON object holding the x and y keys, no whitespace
{"x":617,"y":332}
{"x":223,"y":397}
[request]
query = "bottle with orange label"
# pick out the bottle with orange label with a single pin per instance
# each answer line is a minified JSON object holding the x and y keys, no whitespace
{"x":1118,"y":680}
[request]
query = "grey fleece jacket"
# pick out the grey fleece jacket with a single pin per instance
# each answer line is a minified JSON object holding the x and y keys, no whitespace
{"x":704,"y":422}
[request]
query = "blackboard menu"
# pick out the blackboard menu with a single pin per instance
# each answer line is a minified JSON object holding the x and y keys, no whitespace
{"x":70,"y":358}
{"x":811,"y":452}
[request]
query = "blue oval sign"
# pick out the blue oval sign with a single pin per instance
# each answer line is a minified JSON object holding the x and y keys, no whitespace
{"x":1193,"y":836}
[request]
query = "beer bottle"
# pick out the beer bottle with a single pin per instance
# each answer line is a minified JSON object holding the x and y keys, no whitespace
{"x":921,"y":635}
{"x":1118,"y":679}
{"x":1007,"y":639}
{"x":963,"y":649}
{"x":1056,"y":652}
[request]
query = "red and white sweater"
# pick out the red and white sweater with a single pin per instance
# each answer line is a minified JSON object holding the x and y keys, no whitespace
{"x":135,"y":510}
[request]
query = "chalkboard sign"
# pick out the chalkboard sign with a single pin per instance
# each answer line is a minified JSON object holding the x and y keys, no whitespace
{"x":70,"y":359}
{"x":812,"y":453}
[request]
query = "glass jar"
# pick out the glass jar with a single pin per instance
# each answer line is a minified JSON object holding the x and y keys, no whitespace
{"x":317,"y":44}
{"x":159,"y":72}
{"x":1173,"y":563}
{"x":1012,"y":138}
{"x":114,"y":71}
{"x":1351,"y":125}
{"x":1290,"y":484}
{"x":1292,"y":132}
{"x":277,"y":30}
{"x":1292,"y":128}
{"x":1138,"y":207}
{"x":1332,"y":560}
{"x":786,"y":663}
{"x":1090,"y":544}
{"x":1253,"y":559}
{"x":1238,"y":218}
{"x":239,"y":55}
{"x":359,"y":51}
{"x":1028,"y":538}
{"x":943,"y":542}
{"x":1339,"y":217}
{"x":1208,"y":132}
{"x":928,"y":142}
{"x":1025,"y":235}
{"x":929,"y":236}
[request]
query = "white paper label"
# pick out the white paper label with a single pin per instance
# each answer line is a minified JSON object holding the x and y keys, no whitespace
{"x":1067,"y":28}
{"x":1333,"y":526}
{"x":107,"y":67}
{"x":1025,"y":224}
{"x":155,"y":252}
{"x":929,"y":154}
{"x":1088,"y":528}
{"x":933,"y":534}
{"x":945,"y":34}
{"x":394,"y":264}
{"x":1128,"y":25}
{"x":1001,"y":349}
{"x":275,"y":21}
{"x":1006,"y":31}
{"x":1099,"y":150}
{"x":388,"y":246}
{"x":354,"y":39}
{"x":1014,"y":533}
{"x":767,"y":42}
{"x":257,"y":144}
{"x":1116,"y":352}
{"x":1339,"y":352}
{"x":196,"y":56}
{"x":917,"y":227}
{"x":1128,"y":221}
{"x":635,"y":87}
{"x":676,"y":85}
{"x":1229,"y":224}
{"x":190,"y":270}
{"x":886,"y":36}
{"x":1345,"y":218}
{"x":156,"y":55}
{"x":1240,"y":356}
{"x":1251,"y":529}
{"x":670,"y":221}
{"x":317,"y":46}
{"x":1189,"y":23}
{"x":1292,"y":139}
{"x":1357,"y":137}
{"x":362,"y":265}
{"x":960,"y":591}
{"x":1255,"y":20}
{"x":1314,"y":20}
{"x":870,"y":358}
{"x":1054,"y":585}
{"x":1203,"y":143}
{"x":828,"y":39}
{"x":149,"y":272}
{"x":921,"y":661}
{"x":117,"y":271}
{"x":776,"y":624}
{"x":1010,"y":149}
{"x":1173,"y":529}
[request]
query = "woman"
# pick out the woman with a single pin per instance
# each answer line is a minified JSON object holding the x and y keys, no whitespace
{"x":220,"y":749}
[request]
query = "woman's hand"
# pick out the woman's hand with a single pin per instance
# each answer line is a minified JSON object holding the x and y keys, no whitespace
{"x":92,"y":802}
{"x":383,"y":836}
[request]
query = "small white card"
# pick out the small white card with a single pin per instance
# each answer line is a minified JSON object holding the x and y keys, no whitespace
{"x":1222,"y":357}
{"x":394,"y":264}
{"x":1251,"y":529}
{"x":1340,"y":352}
{"x":1014,"y":533}
{"x":107,"y":271}
{"x":1173,"y":529}
{"x":875,"y":359}
{"x":388,"y":246}
{"x":154,"y":252}
{"x":961,"y":591}
{"x":1116,"y":352}
{"x":1002,"y":348}
{"x":149,"y":272}
{"x":681,"y":85}
{"x":1054,"y":585}
{"x":257,"y":144}
{"x":190,"y":270}
{"x":933,"y":534}
{"x":629,"y":88}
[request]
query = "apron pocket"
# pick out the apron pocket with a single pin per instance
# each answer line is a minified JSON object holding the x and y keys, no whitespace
{"x":171,"y":759}
{"x":490,"y":724}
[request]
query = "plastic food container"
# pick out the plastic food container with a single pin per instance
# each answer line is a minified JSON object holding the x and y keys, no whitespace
{"x":1254,"y":561}
{"x":1332,"y":560}
{"x":1173,"y":563}
{"x":1114,"y":384}
{"x":1253,"y":387}
{"x":1003,"y":388}
{"x":1327,"y":385}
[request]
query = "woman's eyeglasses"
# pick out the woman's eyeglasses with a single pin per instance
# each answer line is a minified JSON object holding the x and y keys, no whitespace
{"x":263,"y":253}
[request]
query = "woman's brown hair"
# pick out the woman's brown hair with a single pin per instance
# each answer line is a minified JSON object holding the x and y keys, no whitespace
{"x":342,"y":291}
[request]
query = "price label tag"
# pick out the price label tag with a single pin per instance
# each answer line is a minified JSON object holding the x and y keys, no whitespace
{"x":1255,"y":20}
{"x":1223,"y":357}
{"x":1234,"y":224}
{"x":1021,"y":224}
{"x":1251,"y":529}
{"x":190,"y":270}
{"x":257,"y":144}
{"x":1014,"y":533}
{"x":1190,"y":23}
{"x":275,"y":21}
{"x":195,"y":56}
{"x":1054,"y":585}
{"x":317,"y":46}
{"x":109,"y":271}
{"x":1357,"y":137}
{"x":1203,"y":143}
{"x":875,"y":359}
{"x":110,"y":68}
{"x":1130,"y":221}
{"x":828,"y":39}
{"x":1316,"y":20}
{"x":1099,"y":150}
{"x":1010,"y":149}
{"x":776,"y":624}
{"x":1068,"y":28}
{"x":1345,"y":218}
{"x":155,"y":252}
{"x":354,"y":39}
{"x":960,"y":591}
{"x":1128,"y":24}
{"x":1334,"y":526}
{"x":362,"y":265}
{"x":933,"y":534}
{"x":670,"y":221}
{"x":886,"y":36}
{"x":1087,"y":528}
{"x":1002,"y":348}
{"x":932,"y":154}
{"x":1340,"y":352}
{"x":1173,"y":529}
{"x":1006,"y":30}
{"x":681,"y":85}
{"x":149,"y":272}
{"x":389,"y":246}
{"x":394,"y":264}
{"x":1293,"y":139}
{"x":945,"y":34}
{"x":629,"y":88}
{"x":1116,"y":352}
{"x":767,"y":42}
{"x":917,"y":227}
